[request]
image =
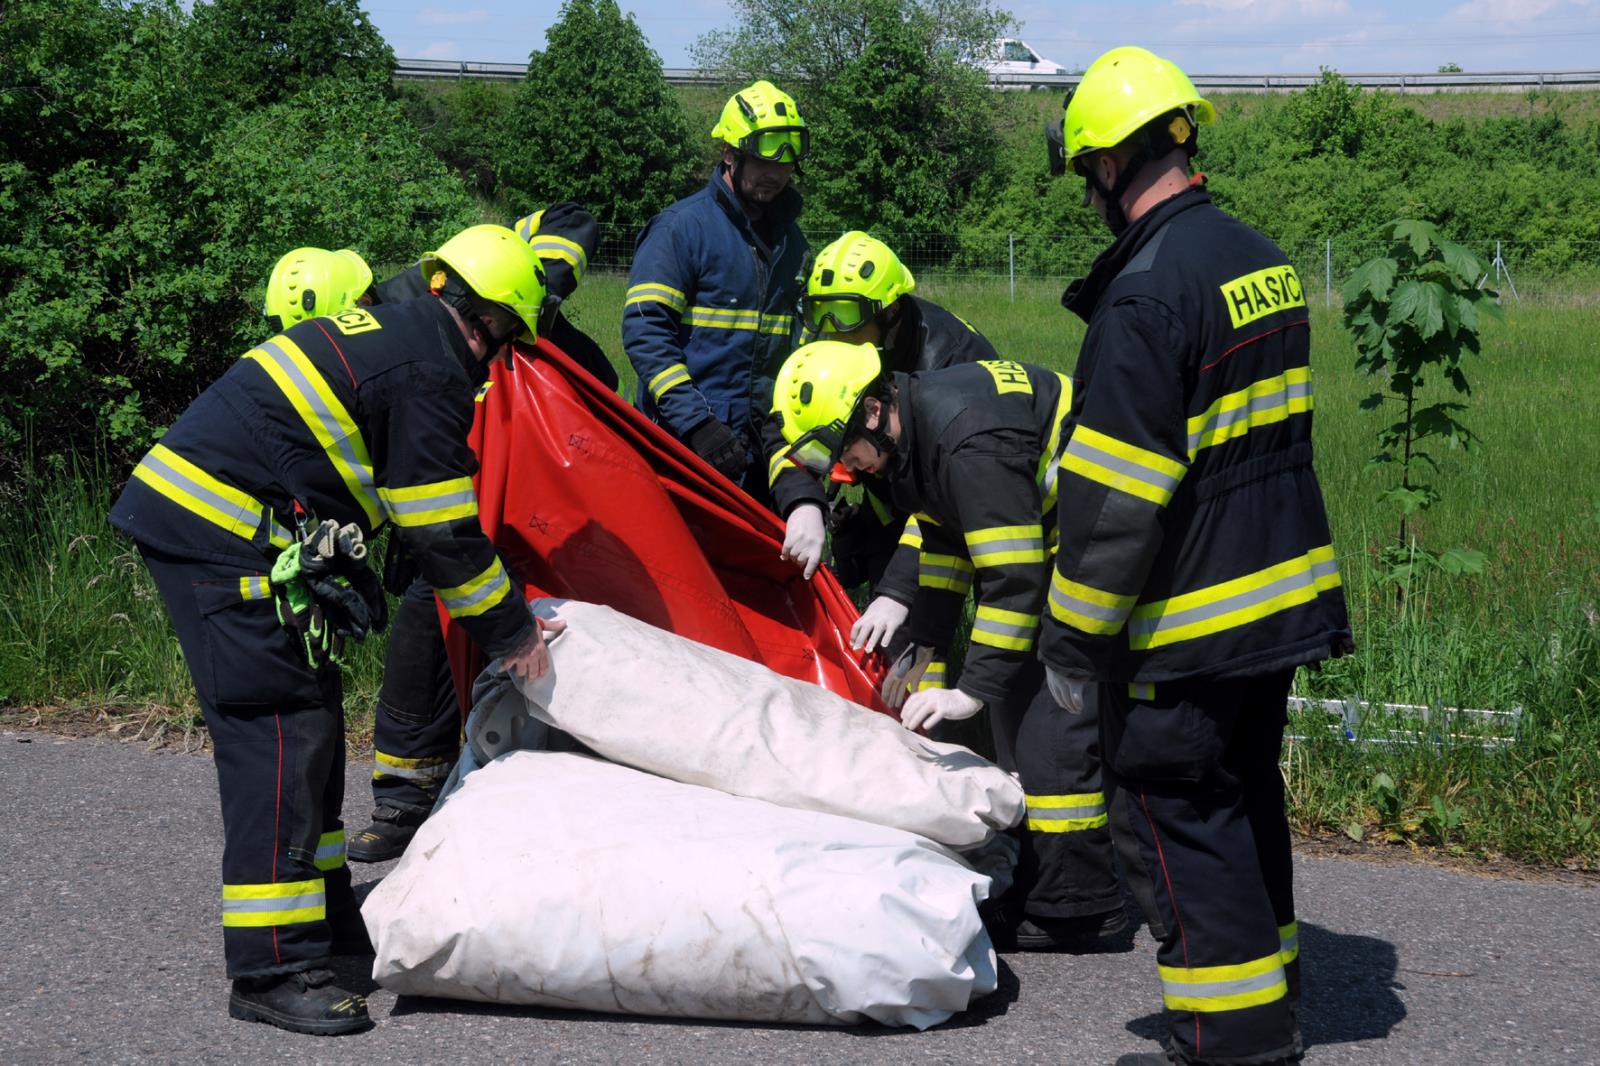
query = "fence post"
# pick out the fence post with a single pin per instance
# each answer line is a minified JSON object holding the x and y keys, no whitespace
{"x":1011,"y":245}
{"x":1327,"y":271}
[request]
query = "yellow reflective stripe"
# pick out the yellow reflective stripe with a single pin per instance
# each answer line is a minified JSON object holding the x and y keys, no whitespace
{"x":1087,"y":609}
{"x":1138,"y":690}
{"x":428,"y":768}
{"x":782,"y":325}
{"x":303,"y":385}
{"x":933,"y":676}
{"x":1070,"y":813}
{"x":1223,"y":988}
{"x":670,"y":378}
{"x":1289,"y":942}
{"x":330,"y":850}
{"x":254,"y":588}
{"x":777,"y":464}
{"x":1234,"y":603}
{"x":950,"y":572}
{"x":1000,"y":628}
{"x":478,"y":595}
{"x":1006,"y":545}
{"x":427,"y":505}
{"x":723,"y":318}
{"x":1122,"y":466}
{"x":651,"y":292}
{"x":204,"y":496}
{"x":549,"y":246}
{"x":1049,"y":461}
{"x":285,"y":903}
{"x":911,"y":536}
{"x":528,"y":225}
{"x":1263,"y":403}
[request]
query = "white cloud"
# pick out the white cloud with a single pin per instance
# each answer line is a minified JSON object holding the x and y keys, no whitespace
{"x":444,"y":16}
{"x":441,"y":50}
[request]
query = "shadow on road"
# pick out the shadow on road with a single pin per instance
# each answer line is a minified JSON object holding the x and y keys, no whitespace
{"x":1350,"y":990}
{"x":991,"y":1006}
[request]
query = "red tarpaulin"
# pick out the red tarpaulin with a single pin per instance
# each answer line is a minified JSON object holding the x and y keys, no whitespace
{"x":589,"y":500}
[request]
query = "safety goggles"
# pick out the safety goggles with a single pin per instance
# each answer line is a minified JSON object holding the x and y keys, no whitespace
{"x":778,"y":144}
{"x":837,"y":314}
{"x":818,"y":449}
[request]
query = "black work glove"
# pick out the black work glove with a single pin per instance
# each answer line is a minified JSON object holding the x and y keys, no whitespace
{"x":370,"y":589}
{"x":719,"y":446}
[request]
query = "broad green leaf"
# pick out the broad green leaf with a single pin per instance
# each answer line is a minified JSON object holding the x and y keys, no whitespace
{"x":1420,"y":235}
{"x":1429,"y":315}
{"x":1462,"y":561}
{"x":1468,"y":267}
{"x":1403,"y":303}
{"x":1375,"y":276}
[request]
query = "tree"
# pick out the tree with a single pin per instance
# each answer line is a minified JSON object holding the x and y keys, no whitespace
{"x":905,"y":131}
{"x":596,"y":122}
{"x":262,"y":51}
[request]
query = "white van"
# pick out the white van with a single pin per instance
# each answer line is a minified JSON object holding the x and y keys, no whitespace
{"x":1013,"y":56}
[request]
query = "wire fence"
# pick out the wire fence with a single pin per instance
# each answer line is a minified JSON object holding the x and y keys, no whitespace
{"x":1518,"y":268}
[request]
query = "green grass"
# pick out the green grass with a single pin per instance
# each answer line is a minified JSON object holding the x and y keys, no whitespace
{"x":81,"y":625}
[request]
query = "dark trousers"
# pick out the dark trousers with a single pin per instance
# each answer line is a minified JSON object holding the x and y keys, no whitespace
{"x":277,"y":730}
{"x":416,"y":727}
{"x":1066,"y":868}
{"x":1197,"y":812}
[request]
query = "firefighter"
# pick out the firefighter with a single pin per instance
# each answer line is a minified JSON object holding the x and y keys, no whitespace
{"x":969,"y":450}
{"x":1195,"y":571}
{"x":310,"y":282}
{"x":709,"y":313}
{"x":416,"y":726}
{"x":336,"y":424}
{"x":860,"y":292}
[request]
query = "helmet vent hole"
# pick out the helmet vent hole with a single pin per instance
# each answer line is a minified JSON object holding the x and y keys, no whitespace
{"x":780,"y":108}
{"x":867,"y":268}
{"x":308,"y":299}
{"x":805,"y":392}
{"x":827,"y":276}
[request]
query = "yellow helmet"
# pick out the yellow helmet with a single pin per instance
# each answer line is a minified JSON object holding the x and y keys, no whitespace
{"x":498,"y":266}
{"x":818,"y":393}
{"x":309,"y":282}
{"x":1122,"y":91}
{"x":761,"y":119}
{"x":852,"y":281}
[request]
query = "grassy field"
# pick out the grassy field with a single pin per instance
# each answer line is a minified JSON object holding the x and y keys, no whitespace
{"x":80,"y":625}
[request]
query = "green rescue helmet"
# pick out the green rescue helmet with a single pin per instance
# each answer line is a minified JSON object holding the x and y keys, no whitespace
{"x":497,"y":265}
{"x":1121,"y":92}
{"x":309,"y":282}
{"x":818,"y":396}
{"x":762,"y":120}
{"x":851,"y":283}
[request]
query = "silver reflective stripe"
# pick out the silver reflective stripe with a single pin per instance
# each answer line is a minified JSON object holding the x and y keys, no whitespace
{"x":494,"y":587}
{"x":332,"y":850}
{"x":413,"y":773}
{"x":1213,"y":989}
{"x":246,"y":520}
{"x":1298,"y":390}
{"x":1066,"y":602}
{"x":995,"y":547}
{"x":958,"y":573}
{"x":274,"y":903}
{"x":1003,"y":629}
{"x":1090,"y":454}
{"x":1062,"y":814}
{"x":430,"y":503}
{"x":336,"y":428}
{"x":1289,"y":946}
{"x":1306,"y":578}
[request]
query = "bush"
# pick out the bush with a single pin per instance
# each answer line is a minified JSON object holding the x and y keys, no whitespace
{"x":595,"y":122}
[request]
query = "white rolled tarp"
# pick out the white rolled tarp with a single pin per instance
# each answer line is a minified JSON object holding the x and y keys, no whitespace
{"x":560,"y":880}
{"x":649,"y":699}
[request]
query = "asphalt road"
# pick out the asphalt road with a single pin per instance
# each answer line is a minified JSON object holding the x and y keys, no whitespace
{"x":111,"y":951}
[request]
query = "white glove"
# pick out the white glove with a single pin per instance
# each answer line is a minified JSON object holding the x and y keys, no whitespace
{"x":928,"y":708}
{"x":1066,"y":691}
{"x":802,"y":538}
{"x":903,"y":676}
{"x":877,"y":623}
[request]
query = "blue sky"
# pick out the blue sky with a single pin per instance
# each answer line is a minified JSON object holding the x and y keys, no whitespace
{"x":1204,"y":36}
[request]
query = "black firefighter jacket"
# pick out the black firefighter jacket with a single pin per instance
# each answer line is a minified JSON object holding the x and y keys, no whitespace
{"x":361,"y":417}
{"x":1196,"y":542}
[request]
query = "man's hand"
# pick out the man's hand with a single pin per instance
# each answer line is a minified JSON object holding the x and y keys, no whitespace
{"x":928,"y":708}
{"x":903,"y":676}
{"x":877,"y":623}
{"x":1066,"y":691}
{"x":719,"y":446}
{"x":802,"y":538}
{"x":531,"y":660}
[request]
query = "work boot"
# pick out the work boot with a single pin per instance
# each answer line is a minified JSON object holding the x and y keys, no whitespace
{"x":386,"y":838}
{"x":304,"y":1002}
{"x":1089,"y":934}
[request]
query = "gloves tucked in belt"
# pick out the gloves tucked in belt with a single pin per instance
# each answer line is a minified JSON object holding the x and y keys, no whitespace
{"x":719,"y":446}
{"x":903,"y":676}
{"x":325,"y":593}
